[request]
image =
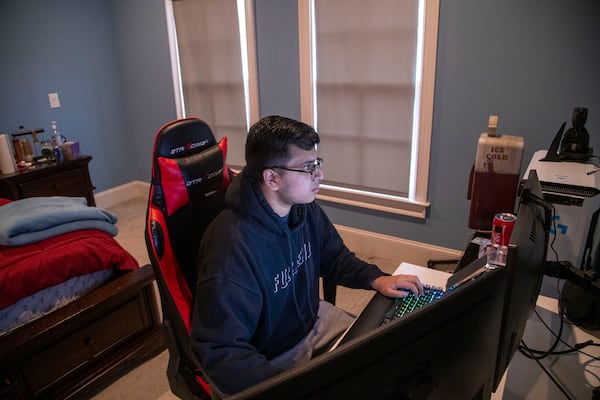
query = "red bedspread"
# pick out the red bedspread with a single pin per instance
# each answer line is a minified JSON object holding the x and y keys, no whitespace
{"x":27,"y":269}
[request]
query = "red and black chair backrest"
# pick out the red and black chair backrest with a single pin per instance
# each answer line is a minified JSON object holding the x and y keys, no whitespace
{"x":189,"y":180}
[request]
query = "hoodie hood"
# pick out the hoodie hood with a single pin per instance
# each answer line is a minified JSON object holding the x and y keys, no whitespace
{"x":244,"y":195}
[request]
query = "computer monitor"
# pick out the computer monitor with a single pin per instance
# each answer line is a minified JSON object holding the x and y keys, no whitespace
{"x":525,"y":265}
{"x":444,"y":351}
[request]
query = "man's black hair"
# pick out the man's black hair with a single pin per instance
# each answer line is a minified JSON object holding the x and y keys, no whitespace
{"x":269,"y":139}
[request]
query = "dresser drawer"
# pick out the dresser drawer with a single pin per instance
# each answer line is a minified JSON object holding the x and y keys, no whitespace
{"x":70,"y":183}
{"x":73,"y":351}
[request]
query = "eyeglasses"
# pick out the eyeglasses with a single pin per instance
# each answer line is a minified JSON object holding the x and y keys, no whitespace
{"x":308,"y":168}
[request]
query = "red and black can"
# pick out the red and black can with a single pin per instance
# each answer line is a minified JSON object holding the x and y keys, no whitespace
{"x":502,"y":228}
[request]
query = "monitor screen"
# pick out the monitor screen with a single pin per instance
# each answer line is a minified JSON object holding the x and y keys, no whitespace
{"x":443,"y":351}
{"x":525,"y":265}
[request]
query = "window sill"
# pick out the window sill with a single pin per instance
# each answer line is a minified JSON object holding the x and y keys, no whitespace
{"x":373,"y":201}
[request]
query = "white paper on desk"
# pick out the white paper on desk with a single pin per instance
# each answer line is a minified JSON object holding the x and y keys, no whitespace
{"x":429,"y":276}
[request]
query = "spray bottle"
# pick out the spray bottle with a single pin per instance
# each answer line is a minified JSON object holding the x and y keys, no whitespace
{"x":56,"y":142}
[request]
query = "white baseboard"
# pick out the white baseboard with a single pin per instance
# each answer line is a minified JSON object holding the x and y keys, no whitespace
{"x":119,"y":194}
{"x":394,"y":248}
{"x":357,"y":240}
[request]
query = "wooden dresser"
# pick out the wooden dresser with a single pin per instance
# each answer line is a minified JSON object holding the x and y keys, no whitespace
{"x":67,"y":178}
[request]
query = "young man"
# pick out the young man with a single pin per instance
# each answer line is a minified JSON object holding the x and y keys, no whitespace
{"x":257,"y":310}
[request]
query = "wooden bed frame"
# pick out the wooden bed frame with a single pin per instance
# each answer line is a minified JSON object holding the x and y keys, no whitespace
{"x":80,"y":346}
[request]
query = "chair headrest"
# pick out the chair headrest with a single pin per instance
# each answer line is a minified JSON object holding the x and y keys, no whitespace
{"x":189,"y":163}
{"x":182,"y":138}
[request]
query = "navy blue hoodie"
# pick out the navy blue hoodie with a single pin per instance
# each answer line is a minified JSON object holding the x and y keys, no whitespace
{"x":257,"y":293}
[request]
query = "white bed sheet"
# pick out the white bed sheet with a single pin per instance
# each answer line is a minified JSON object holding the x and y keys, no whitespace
{"x":49,"y":299}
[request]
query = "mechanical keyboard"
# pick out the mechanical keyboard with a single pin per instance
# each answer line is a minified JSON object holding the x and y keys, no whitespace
{"x":410,"y":303}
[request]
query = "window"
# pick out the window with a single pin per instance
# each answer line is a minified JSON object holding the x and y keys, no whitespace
{"x":367,"y":79}
{"x":213,"y":65}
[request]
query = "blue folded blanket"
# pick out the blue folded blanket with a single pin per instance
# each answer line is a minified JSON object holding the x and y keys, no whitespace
{"x":33,"y":219}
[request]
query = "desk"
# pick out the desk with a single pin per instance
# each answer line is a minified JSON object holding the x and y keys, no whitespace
{"x":577,"y":373}
{"x":67,"y":178}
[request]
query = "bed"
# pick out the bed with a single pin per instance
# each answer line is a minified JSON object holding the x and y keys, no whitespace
{"x":75,"y":306}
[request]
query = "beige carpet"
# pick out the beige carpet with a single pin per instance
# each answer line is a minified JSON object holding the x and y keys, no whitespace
{"x":149,"y":381}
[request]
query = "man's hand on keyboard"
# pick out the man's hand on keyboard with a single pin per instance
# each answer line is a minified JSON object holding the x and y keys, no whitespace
{"x":397,"y":285}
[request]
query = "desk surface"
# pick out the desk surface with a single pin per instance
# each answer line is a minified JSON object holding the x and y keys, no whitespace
{"x":578,"y":373}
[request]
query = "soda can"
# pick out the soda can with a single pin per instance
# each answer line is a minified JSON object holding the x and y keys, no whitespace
{"x":502,"y":228}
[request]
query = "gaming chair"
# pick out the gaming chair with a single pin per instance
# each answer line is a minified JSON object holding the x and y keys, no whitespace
{"x":187,"y":191}
{"x":189,"y":179}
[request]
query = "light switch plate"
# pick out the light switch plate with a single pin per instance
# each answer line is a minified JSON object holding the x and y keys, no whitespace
{"x":54,"y":100}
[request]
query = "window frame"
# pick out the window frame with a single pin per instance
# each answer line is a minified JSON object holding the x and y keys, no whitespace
{"x":416,"y":204}
{"x":248,"y":58}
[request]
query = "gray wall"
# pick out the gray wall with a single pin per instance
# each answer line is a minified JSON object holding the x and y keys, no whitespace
{"x":108,"y":60}
{"x":528,"y":62}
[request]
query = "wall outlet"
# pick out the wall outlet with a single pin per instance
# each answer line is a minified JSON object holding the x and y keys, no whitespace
{"x":54,"y":101}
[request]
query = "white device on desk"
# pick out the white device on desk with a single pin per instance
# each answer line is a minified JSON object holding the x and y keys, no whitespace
{"x":574,"y":190}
